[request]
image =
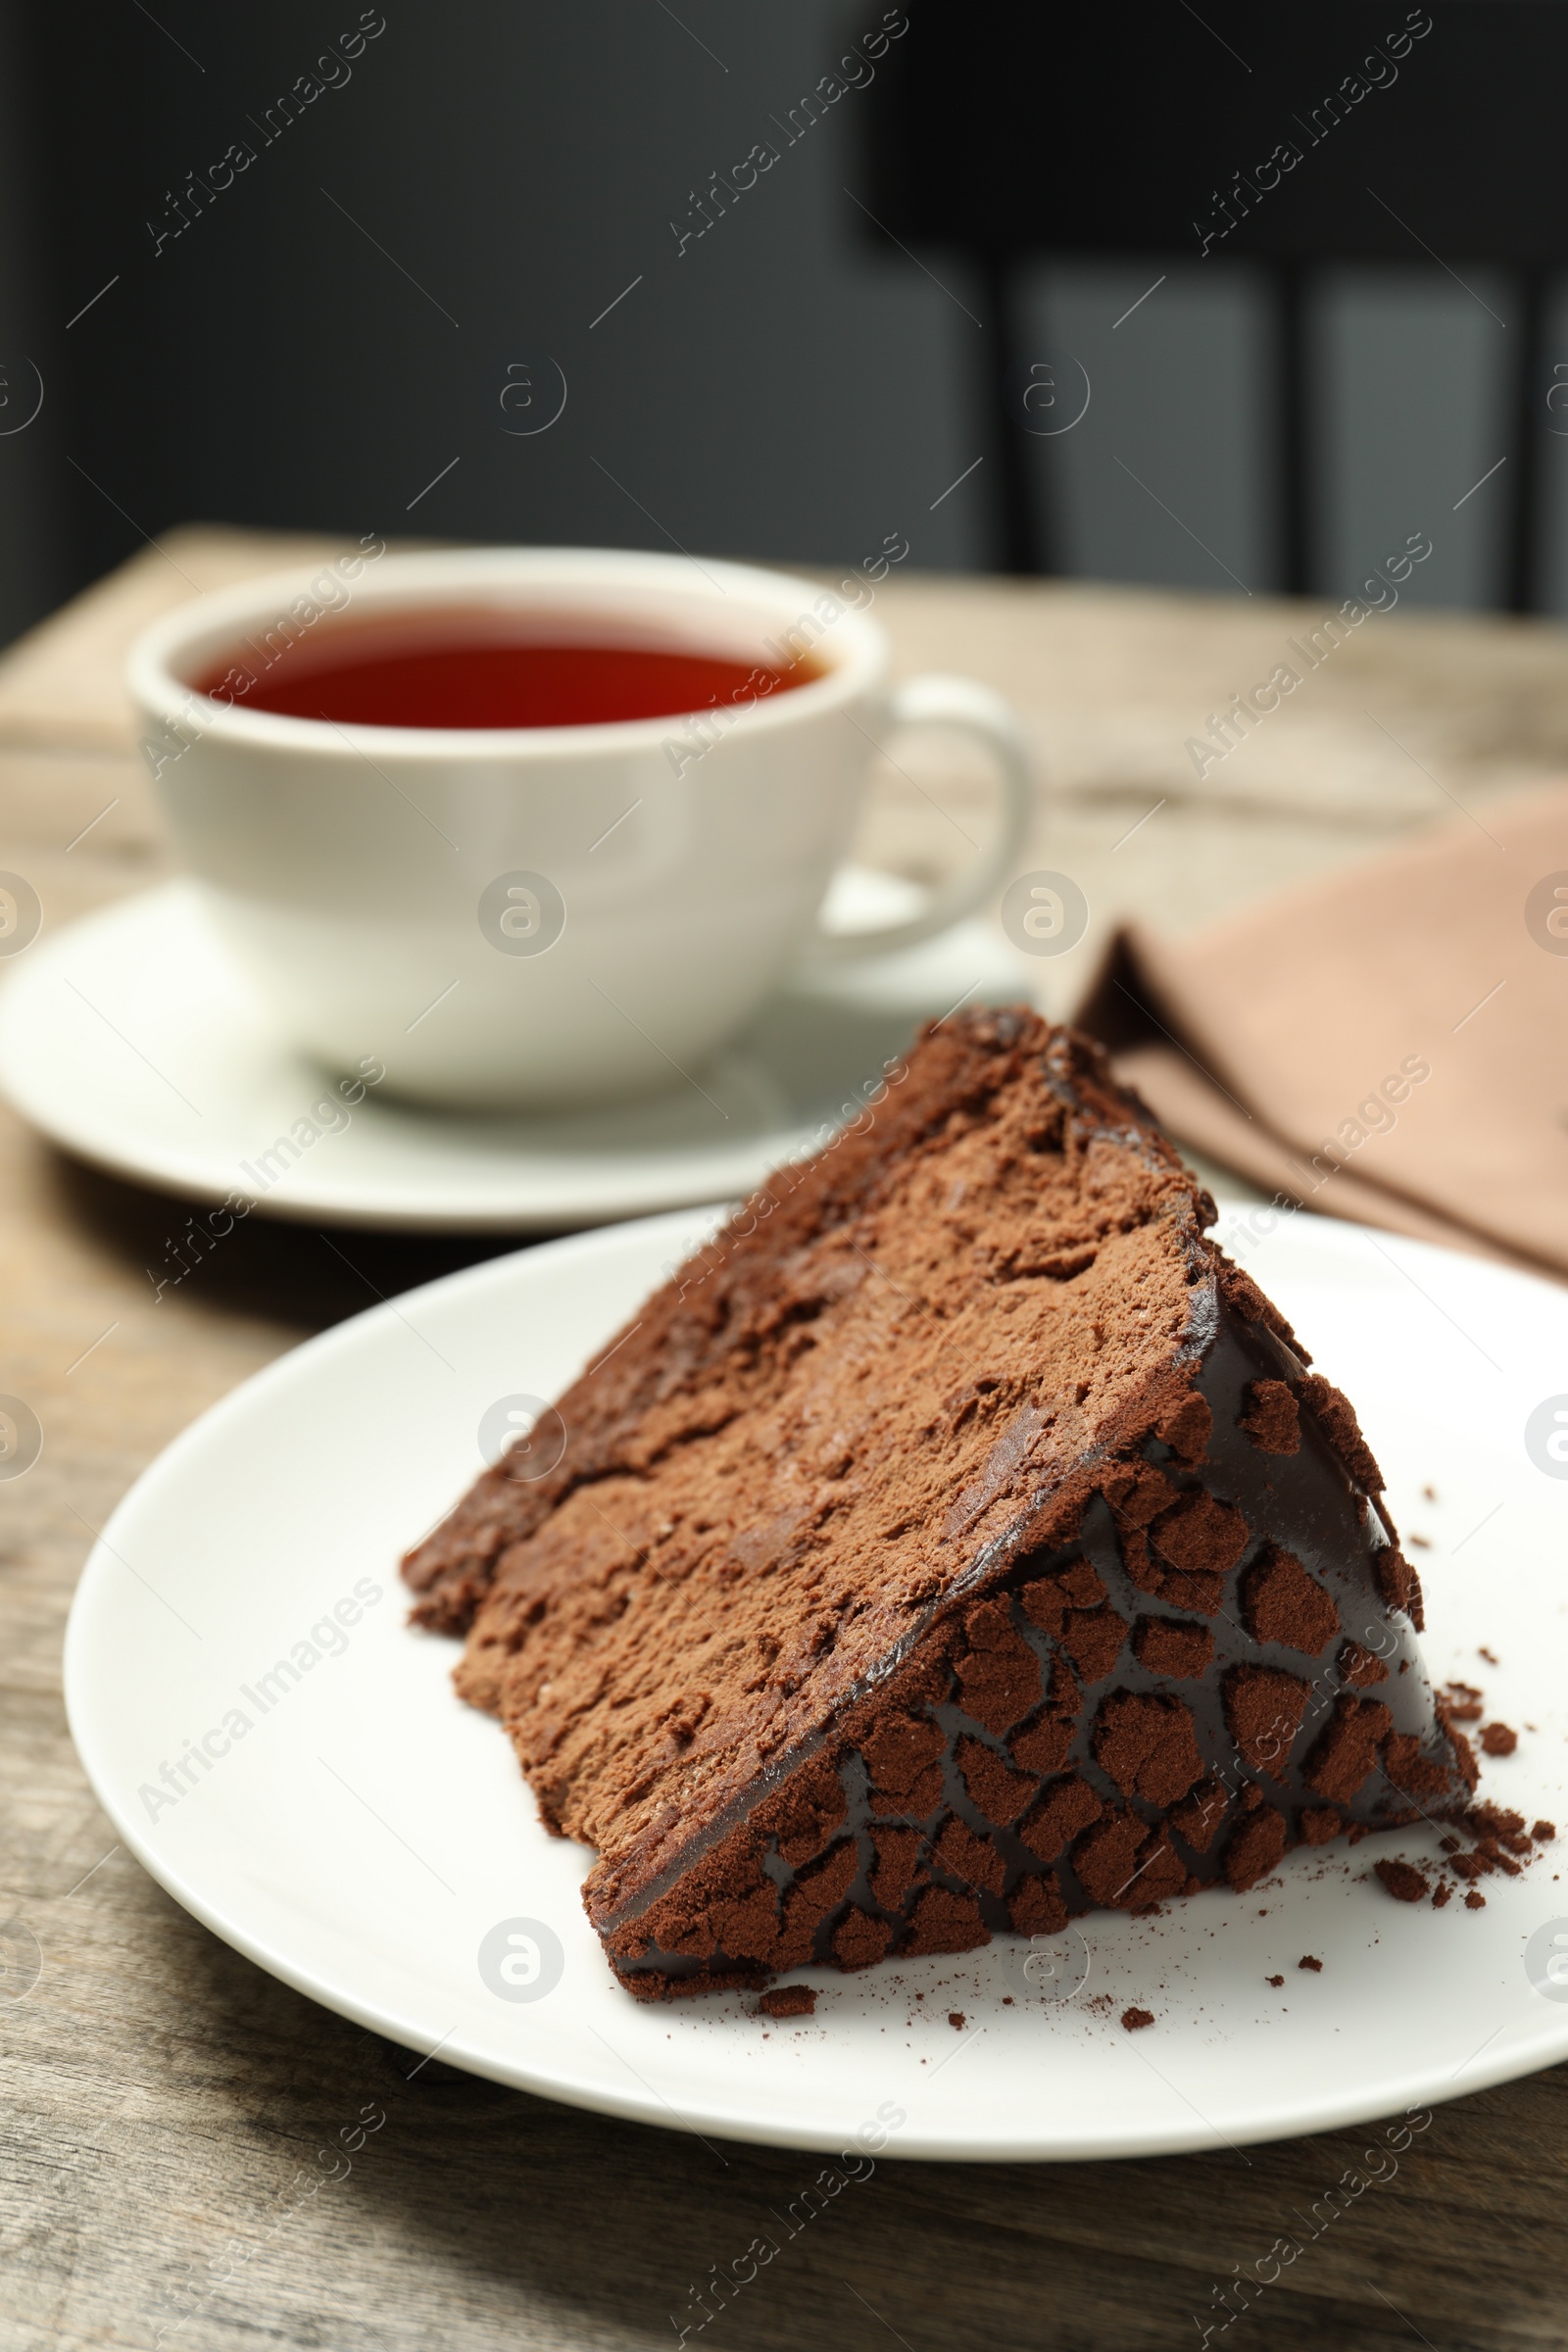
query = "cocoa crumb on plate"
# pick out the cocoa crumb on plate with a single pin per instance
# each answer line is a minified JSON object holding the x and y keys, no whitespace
{"x":787,"y":2000}
{"x":1404,"y":1880}
{"x":1463,"y":1702}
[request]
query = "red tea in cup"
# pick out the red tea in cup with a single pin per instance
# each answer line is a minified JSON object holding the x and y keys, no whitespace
{"x":410,"y":671}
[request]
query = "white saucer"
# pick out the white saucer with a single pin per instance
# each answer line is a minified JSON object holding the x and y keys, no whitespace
{"x":366,"y":1834}
{"x":132,"y":1040}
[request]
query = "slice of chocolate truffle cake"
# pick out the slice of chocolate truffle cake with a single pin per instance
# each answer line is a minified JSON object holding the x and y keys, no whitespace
{"x":958,"y":1542}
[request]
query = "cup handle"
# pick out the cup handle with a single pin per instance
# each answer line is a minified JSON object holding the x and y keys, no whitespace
{"x":972,"y":710}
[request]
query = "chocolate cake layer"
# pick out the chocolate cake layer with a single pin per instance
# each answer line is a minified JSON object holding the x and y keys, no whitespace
{"x":960,"y":1541}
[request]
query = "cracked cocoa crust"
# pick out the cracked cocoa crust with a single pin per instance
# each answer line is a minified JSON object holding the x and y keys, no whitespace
{"x":928,"y":1558}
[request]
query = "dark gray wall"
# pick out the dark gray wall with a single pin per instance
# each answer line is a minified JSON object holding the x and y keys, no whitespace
{"x":788,"y":386}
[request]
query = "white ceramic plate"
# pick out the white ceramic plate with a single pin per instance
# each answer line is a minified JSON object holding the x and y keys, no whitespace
{"x":132,"y":1038}
{"x":367,"y":1833}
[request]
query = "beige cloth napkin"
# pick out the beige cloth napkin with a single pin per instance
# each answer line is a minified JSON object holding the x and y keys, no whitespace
{"x":1390,"y":1043}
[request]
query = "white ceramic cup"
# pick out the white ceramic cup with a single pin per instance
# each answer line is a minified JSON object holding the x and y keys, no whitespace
{"x":542,"y":914}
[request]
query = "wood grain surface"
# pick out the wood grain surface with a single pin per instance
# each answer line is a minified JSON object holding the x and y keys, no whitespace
{"x":163,"y":2099}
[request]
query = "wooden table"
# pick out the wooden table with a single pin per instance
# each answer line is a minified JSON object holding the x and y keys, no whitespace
{"x":160,"y":2092}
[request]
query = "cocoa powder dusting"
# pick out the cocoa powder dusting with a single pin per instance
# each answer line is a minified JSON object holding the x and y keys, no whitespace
{"x":1272,"y":1420}
{"x":1282,"y":1603}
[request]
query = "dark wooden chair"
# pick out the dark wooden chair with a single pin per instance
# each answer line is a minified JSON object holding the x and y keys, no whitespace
{"x":1283,"y":140}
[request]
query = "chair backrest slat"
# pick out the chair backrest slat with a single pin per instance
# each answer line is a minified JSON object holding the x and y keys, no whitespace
{"x":1289,"y":139}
